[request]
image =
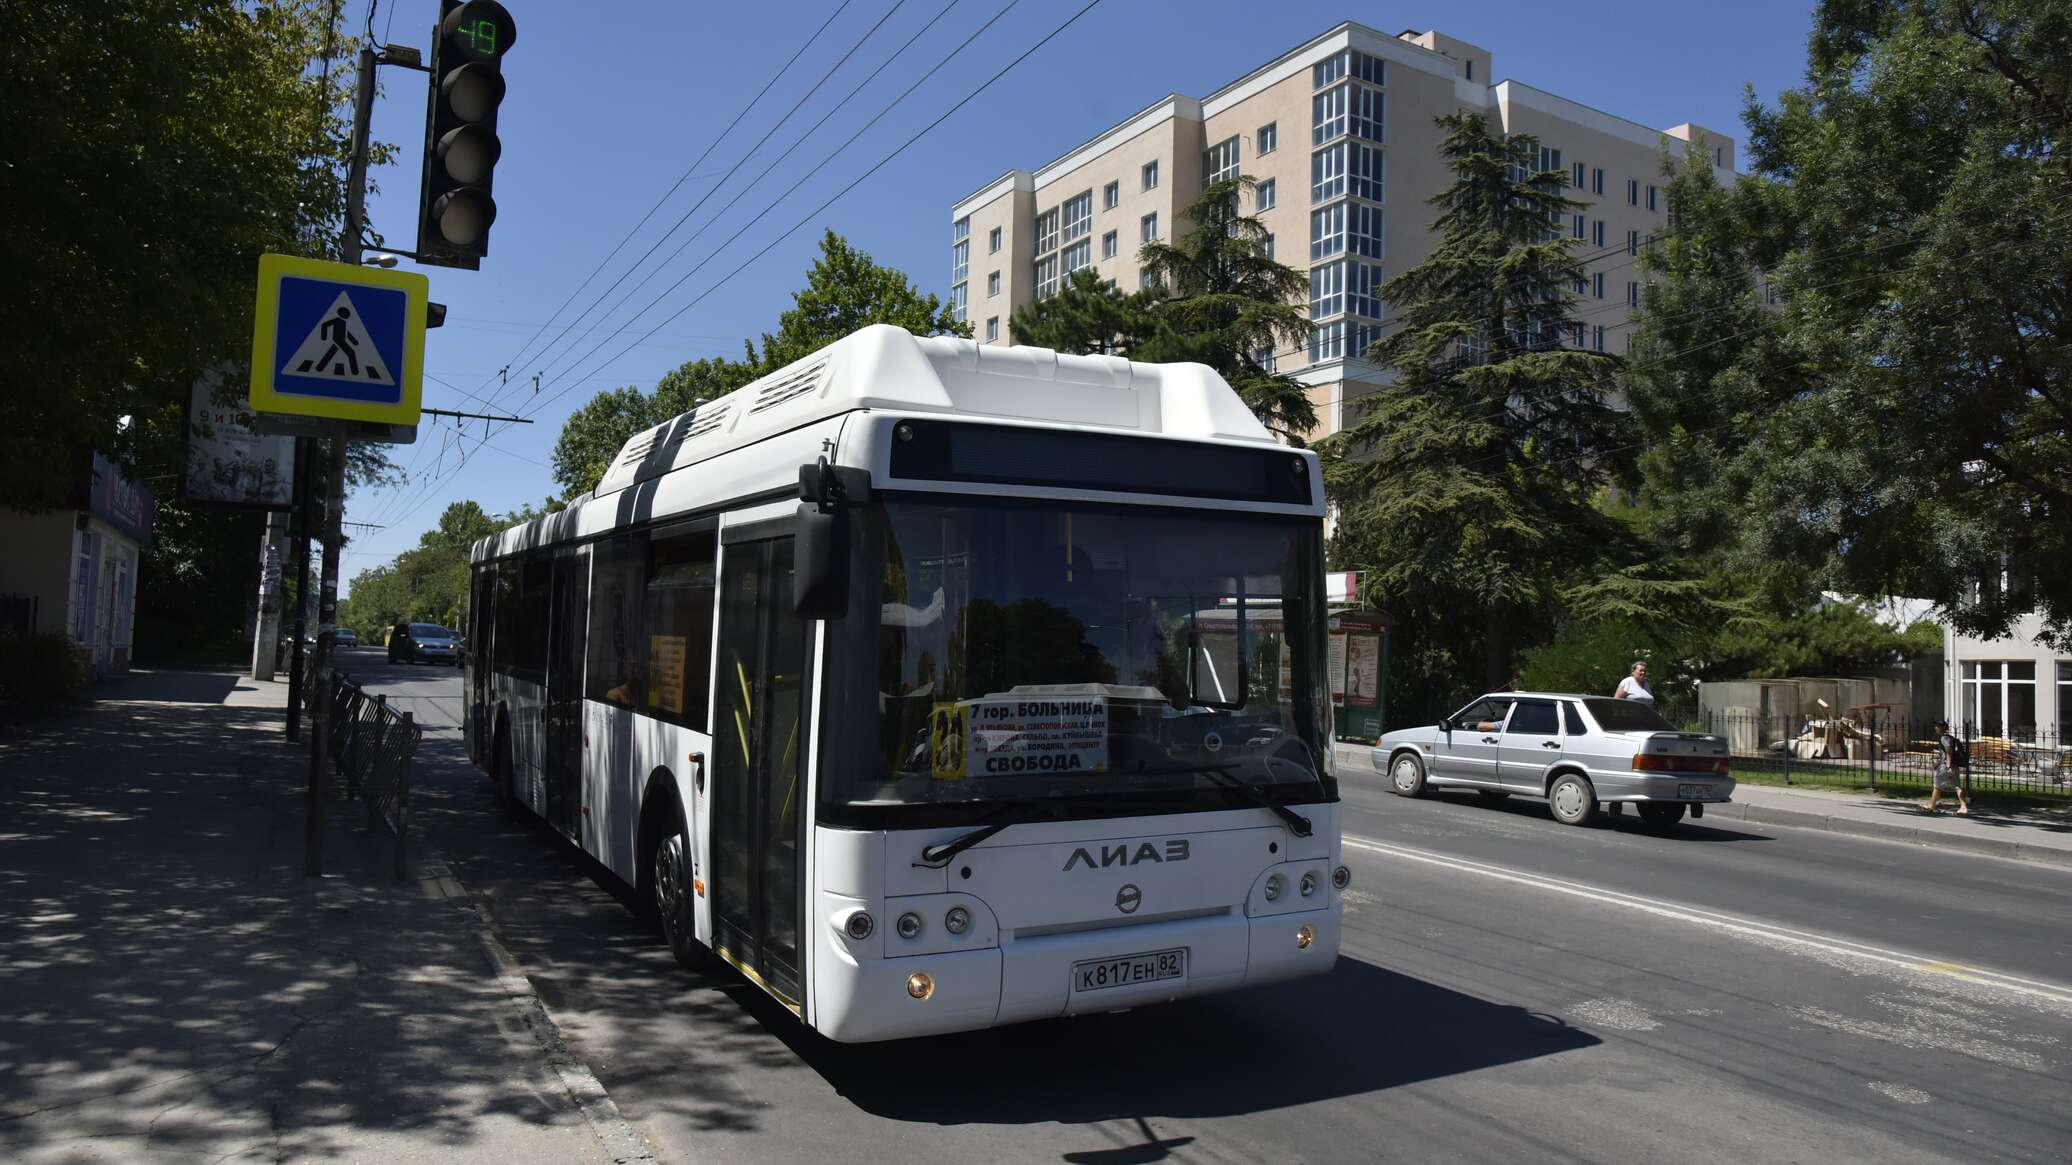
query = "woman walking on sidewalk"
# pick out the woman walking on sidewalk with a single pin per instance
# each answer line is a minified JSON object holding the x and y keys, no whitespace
{"x":1946,"y":768}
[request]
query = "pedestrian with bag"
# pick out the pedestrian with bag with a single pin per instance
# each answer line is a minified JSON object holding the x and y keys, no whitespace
{"x":1953,"y":755}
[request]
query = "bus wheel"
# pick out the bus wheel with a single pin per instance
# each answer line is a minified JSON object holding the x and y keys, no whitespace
{"x":670,"y":891}
{"x":506,"y":792}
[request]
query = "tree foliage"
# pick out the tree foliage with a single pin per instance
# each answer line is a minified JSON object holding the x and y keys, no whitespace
{"x":428,"y":582}
{"x":1220,"y":299}
{"x":154,"y":148}
{"x":1469,"y":487}
{"x":1903,"y":424}
{"x":845,"y":290}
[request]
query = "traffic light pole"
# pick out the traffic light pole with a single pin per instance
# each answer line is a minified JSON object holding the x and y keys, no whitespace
{"x":334,"y":499}
{"x":304,"y":450}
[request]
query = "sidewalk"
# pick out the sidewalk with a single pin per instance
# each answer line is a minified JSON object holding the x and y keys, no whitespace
{"x":177,"y":990}
{"x":2024,"y":834}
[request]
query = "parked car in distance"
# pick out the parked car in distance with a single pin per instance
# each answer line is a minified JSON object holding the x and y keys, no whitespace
{"x":423,"y":643}
{"x":1578,"y":752}
{"x":347,"y":637}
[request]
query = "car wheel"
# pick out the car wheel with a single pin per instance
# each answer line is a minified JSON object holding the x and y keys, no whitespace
{"x":670,"y":897}
{"x":1407,"y":775}
{"x":1660,"y":814}
{"x":1573,"y":800}
{"x":1493,"y":794}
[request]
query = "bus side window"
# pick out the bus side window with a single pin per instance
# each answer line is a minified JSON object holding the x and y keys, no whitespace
{"x":677,"y":618}
{"x":617,"y":672}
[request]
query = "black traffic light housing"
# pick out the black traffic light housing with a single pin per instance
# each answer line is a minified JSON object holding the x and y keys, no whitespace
{"x":455,"y":210}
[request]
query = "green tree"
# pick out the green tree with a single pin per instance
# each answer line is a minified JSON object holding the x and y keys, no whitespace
{"x":1088,"y":315}
{"x":154,"y":149}
{"x":1468,"y":487}
{"x":846,"y":290}
{"x":1905,"y":427}
{"x":428,"y":582}
{"x":592,"y":436}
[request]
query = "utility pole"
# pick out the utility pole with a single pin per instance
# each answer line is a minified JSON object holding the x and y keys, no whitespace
{"x":334,"y":487}
{"x":304,"y":450}
{"x":266,"y":635}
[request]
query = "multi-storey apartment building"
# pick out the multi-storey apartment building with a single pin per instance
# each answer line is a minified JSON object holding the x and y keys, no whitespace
{"x":1340,"y":134}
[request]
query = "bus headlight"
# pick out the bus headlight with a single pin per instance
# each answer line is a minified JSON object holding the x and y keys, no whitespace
{"x":860,"y":925}
{"x":1309,"y":883}
{"x":957,"y":921}
{"x":1274,"y":886}
{"x":909,"y":927}
{"x":1341,"y":877}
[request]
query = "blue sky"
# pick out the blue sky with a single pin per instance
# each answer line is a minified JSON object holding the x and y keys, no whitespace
{"x":606,"y":112}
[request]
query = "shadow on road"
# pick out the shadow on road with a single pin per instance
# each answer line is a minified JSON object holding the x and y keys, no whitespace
{"x":1535,"y":810}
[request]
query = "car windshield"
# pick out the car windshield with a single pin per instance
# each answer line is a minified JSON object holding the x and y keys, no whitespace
{"x":429,"y":631}
{"x":1627,"y":716}
{"x":1031,"y":651}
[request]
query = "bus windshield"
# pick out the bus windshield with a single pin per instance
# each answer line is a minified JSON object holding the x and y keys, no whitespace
{"x":1029,"y":651}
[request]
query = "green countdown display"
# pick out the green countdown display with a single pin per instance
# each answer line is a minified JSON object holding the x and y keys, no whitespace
{"x":480,"y":30}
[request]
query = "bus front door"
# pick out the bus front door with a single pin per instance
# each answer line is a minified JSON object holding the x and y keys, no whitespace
{"x":758,"y":746}
{"x":568,"y":621}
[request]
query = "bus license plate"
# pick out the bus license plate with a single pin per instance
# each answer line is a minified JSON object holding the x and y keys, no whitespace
{"x":1693,"y":792}
{"x":1147,"y":968}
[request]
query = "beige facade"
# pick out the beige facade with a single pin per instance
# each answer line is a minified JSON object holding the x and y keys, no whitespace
{"x":1343,"y":129}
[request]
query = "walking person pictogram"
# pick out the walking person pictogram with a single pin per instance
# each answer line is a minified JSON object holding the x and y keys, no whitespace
{"x":338,"y":332}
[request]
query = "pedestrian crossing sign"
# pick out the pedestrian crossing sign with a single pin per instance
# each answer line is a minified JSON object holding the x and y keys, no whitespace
{"x":334,"y":340}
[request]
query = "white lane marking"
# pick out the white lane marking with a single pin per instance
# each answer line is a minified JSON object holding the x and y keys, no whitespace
{"x":1618,"y":1014}
{"x":1901,"y":1092}
{"x":2056,"y":995}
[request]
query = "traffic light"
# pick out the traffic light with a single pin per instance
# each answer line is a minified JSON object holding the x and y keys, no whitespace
{"x":455,"y":209}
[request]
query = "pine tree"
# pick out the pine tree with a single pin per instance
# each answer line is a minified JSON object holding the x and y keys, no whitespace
{"x":1088,"y":315}
{"x":1467,"y":487}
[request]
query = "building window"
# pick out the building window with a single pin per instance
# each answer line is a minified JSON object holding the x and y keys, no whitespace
{"x":1599,"y":337}
{"x":1364,"y":112}
{"x":1577,"y":169}
{"x":2000,"y":699}
{"x":1363,"y":290}
{"x":1079,"y":216}
{"x":1327,"y":115}
{"x":1651,"y":198}
{"x":1328,"y":70}
{"x":1047,"y":231}
{"x":1327,"y":342}
{"x":1632,"y":294}
{"x":1326,"y":290}
{"x":1632,"y":192}
{"x":2064,"y":705}
{"x":993,"y":328}
{"x":1220,"y":161}
{"x":1471,"y":68}
{"x":993,"y":241}
{"x":1369,"y":69}
{"x":1111,"y":195}
{"x":1269,"y":246}
{"x":1108,"y":245}
{"x":1363,"y":172}
{"x":1597,"y":286}
{"x":1327,"y":174}
{"x":1363,"y":230}
{"x":1597,"y":234}
{"x":1267,"y":140}
{"x":958,"y":295}
{"x":961,"y":229}
{"x":1046,"y":277}
{"x":1147,"y":227}
{"x":1263,"y":195}
{"x":1633,"y":242}
{"x":1327,"y":231}
{"x":960,"y":251}
{"x":1150,"y":175}
{"x":1147,"y":279}
{"x":992,"y":284}
{"x":1078,"y":255}
{"x":1579,"y":225}
{"x":1597,"y":180}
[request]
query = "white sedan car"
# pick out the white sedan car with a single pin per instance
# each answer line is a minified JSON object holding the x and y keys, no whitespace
{"x":1576,"y":751}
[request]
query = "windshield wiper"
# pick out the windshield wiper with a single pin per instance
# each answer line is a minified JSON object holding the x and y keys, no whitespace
{"x":1297,"y":824}
{"x":935,"y":857}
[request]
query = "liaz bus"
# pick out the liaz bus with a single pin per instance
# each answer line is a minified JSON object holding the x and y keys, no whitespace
{"x":936,"y":686}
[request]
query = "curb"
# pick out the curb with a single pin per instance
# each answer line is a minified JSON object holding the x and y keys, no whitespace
{"x":1992,"y":847}
{"x":620,"y":1139}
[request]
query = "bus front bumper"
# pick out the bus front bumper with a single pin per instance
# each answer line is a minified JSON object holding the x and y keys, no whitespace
{"x":863,"y":1000}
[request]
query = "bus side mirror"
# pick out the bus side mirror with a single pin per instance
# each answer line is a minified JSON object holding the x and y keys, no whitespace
{"x":820,"y":563}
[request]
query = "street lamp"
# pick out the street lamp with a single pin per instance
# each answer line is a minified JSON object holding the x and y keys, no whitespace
{"x":380,"y":259}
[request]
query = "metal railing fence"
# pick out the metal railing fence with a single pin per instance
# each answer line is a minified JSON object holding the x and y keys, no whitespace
{"x":1888,"y":751}
{"x":371,"y":746}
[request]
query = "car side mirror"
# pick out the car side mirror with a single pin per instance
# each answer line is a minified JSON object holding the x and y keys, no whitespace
{"x":820,"y":562}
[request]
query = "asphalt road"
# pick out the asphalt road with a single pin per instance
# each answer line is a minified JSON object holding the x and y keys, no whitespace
{"x":1510,"y":989}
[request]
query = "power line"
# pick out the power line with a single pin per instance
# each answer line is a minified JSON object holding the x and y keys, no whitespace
{"x":678,"y":184}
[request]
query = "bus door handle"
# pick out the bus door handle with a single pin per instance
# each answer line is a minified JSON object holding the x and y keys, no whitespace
{"x":697,"y":760}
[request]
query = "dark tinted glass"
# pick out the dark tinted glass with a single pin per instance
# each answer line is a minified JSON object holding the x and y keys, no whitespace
{"x":430,"y":631}
{"x":1572,"y":716}
{"x":677,"y":620}
{"x":1535,"y":717}
{"x":1627,"y":716}
{"x":618,"y":658}
{"x":943,"y":451}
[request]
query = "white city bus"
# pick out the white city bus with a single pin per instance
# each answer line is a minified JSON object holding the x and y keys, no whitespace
{"x":936,"y":686}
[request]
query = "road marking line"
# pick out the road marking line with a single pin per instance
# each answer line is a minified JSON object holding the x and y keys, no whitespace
{"x":1733,"y":924}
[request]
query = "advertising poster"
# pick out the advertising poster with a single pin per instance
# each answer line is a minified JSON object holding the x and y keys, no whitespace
{"x":947,"y":744}
{"x":1009,"y":737}
{"x":1334,"y":663}
{"x":1362,"y":670}
{"x":228,"y":463}
{"x":665,"y":672}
